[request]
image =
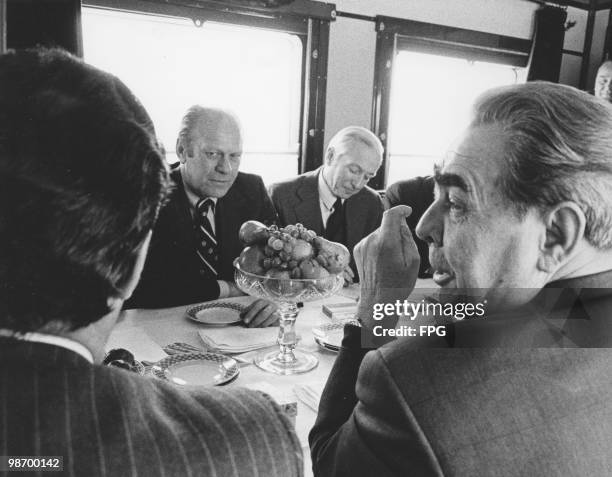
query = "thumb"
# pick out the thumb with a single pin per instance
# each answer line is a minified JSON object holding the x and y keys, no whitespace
{"x":394,"y":220}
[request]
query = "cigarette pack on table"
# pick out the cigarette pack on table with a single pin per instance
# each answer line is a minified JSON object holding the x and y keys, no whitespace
{"x":286,"y":401}
{"x":340,"y":311}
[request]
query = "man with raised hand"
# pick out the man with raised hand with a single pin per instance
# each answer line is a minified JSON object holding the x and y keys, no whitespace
{"x":521,"y":225}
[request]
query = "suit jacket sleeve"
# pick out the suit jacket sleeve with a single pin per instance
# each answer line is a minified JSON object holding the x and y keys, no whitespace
{"x":364,"y":426}
{"x":155,"y":291}
{"x":268,"y":210}
{"x":392,"y":195}
{"x":380,"y":209}
{"x":277,"y":203}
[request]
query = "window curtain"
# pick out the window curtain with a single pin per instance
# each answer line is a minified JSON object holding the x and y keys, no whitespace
{"x":547,"y":46}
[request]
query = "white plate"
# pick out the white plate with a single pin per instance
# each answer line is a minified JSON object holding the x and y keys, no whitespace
{"x":203,"y":369}
{"x":219,"y":313}
{"x":329,"y":336}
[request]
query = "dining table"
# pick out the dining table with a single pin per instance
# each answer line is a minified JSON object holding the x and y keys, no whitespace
{"x":145,"y":332}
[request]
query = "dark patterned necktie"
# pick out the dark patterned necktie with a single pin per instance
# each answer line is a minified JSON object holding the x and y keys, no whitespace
{"x":335,"y":230}
{"x":207,"y":249}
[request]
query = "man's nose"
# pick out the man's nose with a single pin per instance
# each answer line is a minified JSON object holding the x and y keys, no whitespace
{"x":224,"y":165}
{"x":431,"y":226}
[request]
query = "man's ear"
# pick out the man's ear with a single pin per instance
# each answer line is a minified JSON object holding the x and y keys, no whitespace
{"x":132,"y":281}
{"x":565,"y":225}
{"x":181,"y":150}
{"x":329,"y":155}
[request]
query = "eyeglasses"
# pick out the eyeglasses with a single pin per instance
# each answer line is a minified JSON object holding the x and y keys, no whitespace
{"x":218,"y":155}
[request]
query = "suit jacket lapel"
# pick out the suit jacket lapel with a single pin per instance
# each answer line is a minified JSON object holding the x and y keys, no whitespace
{"x":183,"y":235}
{"x":308,"y":207}
{"x":229,"y":215}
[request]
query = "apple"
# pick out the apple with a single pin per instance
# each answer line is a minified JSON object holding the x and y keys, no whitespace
{"x":251,"y":260}
{"x":312,"y":270}
{"x":302,"y":250}
{"x":252,"y":232}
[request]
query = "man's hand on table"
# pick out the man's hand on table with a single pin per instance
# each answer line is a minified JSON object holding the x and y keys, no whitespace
{"x":388,"y":264}
{"x":260,"y":314}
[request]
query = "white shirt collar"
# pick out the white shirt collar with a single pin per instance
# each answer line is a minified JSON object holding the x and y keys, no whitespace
{"x":326,"y":196}
{"x":53,"y":340}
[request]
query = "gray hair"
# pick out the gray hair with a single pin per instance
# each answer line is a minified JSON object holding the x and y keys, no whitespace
{"x":558,"y":148}
{"x":355,"y":133}
{"x":201,"y":115}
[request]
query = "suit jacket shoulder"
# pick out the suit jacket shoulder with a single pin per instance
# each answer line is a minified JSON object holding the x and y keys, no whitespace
{"x":247,"y":199}
{"x":417,"y":192}
{"x":297,"y":200}
{"x":426,"y":410}
{"x":107,"y":421}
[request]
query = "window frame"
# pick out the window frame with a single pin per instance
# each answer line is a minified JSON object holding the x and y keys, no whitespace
{"x":395,"y":34}
{"x":308,"y":20}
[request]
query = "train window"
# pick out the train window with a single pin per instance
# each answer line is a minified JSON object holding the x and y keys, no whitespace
{"x":426,"y":78}
{"x":431,"y":97}
{"x":170,"y":65}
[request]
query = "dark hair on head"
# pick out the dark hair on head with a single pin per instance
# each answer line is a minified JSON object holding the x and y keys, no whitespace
{"x":558,"y":148}
{"x":82,"y":178}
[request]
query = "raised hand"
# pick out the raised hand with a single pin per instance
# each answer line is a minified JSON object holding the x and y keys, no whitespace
{"x":387,"y":261}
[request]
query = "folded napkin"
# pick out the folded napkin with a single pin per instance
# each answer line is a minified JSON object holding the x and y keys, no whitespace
{"x":236,"y":339}
{"x":309,"y":394}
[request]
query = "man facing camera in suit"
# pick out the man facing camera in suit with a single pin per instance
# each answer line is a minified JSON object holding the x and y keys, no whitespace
{"x":82,"y":178}
{"x":196,"y":238}
{"x":520,"y":235}
{"x":334,"y":200}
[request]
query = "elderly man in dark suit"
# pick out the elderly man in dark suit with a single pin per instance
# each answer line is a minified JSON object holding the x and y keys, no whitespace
{"x":520,"y":235}
{"x":196,"y":238}
{"x":82,"y":178}
{"x":334,"y":200}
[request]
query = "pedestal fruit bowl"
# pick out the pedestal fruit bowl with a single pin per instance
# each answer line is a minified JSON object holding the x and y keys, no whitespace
{"x":287,"y":266}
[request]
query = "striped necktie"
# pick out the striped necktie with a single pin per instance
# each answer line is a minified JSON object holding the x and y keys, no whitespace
{"x":207,"y":249}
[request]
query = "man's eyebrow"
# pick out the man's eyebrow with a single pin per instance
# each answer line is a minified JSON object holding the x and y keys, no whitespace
{"x":451,"y":180}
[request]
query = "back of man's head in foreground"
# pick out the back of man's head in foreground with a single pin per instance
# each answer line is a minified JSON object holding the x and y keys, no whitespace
{"x":81,"y":180}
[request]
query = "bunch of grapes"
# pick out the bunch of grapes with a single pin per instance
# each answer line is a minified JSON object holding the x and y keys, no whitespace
{"x":280,"y":251}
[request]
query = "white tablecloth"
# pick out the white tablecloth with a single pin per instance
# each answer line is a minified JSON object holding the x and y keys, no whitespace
{"x":144,"y":331}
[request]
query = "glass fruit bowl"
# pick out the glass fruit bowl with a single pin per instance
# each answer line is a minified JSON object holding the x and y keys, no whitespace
{"x":287,"y":293}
